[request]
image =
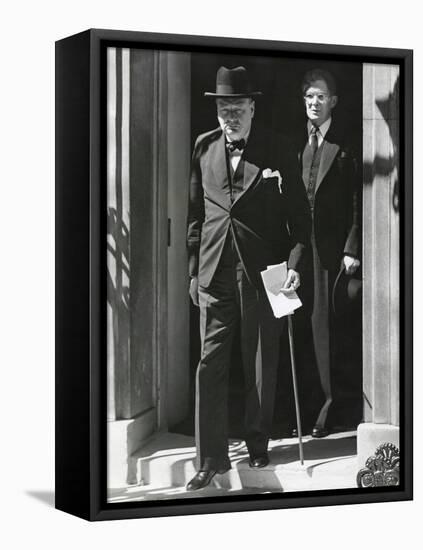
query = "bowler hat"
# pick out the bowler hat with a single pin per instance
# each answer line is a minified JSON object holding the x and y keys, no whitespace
{"x":233,"y":83}
{"x":346,"y":293}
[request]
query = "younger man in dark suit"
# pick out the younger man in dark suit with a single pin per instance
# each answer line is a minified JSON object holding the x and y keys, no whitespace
{"x":331,"y":183}
{"x":239,"y":222}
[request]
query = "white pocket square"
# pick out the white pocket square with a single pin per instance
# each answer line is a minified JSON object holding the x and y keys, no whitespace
{"x":268,"y":173}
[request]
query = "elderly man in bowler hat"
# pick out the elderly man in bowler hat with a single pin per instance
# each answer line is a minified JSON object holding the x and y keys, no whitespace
{"x":239,"y":222}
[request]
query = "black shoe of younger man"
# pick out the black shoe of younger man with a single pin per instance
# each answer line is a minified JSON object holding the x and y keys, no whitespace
{"x":305,"y":430}
{"x":319,"y":431}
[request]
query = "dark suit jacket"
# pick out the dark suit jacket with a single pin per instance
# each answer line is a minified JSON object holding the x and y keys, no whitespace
{"x":337,"y":208}
{"x":267,"y":227}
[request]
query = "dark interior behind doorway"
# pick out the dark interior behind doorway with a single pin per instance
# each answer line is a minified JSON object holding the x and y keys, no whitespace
{"x":281,"y":111}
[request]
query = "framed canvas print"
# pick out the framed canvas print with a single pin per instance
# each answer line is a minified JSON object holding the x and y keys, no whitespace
{"x":233,"y":274}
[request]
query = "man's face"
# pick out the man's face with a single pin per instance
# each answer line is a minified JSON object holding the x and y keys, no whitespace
{"x":318,"y":102}
{"x":235,"y":116}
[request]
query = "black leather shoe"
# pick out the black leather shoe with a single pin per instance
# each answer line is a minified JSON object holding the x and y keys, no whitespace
{"x":201,"y":479}
{"x":259,"y":462}
{"x":305,"y":430}
{"x":319,"y":431}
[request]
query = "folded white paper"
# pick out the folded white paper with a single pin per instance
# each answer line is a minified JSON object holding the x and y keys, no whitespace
{"x":282,"y":302}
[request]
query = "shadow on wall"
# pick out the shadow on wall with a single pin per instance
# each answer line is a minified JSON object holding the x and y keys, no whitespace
{"x":387,"y":166}
{"x":118,"y":276}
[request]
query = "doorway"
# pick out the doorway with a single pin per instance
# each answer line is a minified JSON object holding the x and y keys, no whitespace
{"x":281,"y":112}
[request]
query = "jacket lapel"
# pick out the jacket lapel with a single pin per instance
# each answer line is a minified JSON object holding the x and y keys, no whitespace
{"x":220,"y":169}
{"x":329,"y":152}
{"x":300,"y":148}
{"x":251,"y":164}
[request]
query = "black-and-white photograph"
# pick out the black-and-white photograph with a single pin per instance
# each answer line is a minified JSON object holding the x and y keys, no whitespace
{"x":253,"y":274}
{"x":210,"y":241}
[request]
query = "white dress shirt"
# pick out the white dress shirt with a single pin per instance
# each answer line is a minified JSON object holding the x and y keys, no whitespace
{"x":235,"y":156}
{"x":321,"y":131}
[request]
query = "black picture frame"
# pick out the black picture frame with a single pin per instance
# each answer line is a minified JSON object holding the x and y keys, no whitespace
{"x":81,"y":286}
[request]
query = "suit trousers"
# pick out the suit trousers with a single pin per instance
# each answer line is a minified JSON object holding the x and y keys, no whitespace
{"x":320,"y":322}
{"x":230,"y":299}
{"x":327,"y":336}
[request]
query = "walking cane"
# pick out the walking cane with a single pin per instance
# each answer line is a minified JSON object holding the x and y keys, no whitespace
{"x":294,"y":383}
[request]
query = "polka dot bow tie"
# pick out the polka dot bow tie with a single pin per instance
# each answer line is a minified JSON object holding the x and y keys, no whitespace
{"x":233,"y":145}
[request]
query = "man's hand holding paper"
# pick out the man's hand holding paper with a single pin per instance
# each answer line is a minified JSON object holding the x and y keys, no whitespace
{"x":292,"y":281}
{"x":280,"y":285}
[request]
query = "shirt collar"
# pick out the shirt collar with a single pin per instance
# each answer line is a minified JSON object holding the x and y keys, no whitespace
{"x":323,"y":128}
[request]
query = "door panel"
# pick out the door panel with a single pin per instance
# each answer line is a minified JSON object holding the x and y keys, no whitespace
{"x":135,"y":236}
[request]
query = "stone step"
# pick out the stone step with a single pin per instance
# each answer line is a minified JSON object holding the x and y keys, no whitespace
{"x":164,"y":465}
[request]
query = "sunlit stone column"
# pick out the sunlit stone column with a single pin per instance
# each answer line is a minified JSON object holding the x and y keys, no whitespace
{"x":380,"y":259}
